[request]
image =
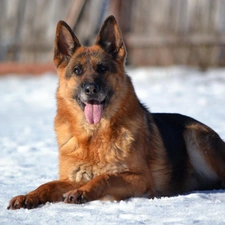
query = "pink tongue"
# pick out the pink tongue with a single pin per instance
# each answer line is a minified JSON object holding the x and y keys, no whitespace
{"x":93,"y":112}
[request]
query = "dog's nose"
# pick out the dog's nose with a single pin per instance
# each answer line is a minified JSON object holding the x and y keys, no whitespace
{"x":91,"y":88}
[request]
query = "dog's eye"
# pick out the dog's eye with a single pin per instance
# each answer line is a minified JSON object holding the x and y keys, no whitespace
{"x":77,"y":70}
{"x":101,"y":68}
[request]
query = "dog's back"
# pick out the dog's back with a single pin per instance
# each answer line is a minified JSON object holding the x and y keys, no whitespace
{"x":195,"y":154}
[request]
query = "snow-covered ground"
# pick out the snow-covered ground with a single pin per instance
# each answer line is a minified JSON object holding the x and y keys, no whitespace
{"x":28,"y":151}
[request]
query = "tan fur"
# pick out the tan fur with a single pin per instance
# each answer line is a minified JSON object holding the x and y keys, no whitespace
{"x":125,"y":154}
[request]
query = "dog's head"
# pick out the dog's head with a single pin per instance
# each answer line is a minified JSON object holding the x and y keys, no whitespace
{"x":90,"y":77}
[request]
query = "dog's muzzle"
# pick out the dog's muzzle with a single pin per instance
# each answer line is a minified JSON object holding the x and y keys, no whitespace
{"x":92,"y":98}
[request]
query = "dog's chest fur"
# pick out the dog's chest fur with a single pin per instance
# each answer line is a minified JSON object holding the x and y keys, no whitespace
{"x":83,"y":157}
{"x":84,"y":172}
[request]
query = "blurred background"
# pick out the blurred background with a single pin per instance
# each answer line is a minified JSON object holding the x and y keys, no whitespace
{"x":156,"y":32}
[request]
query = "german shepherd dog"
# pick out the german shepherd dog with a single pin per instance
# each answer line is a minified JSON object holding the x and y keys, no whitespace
{"x":110,"y":146}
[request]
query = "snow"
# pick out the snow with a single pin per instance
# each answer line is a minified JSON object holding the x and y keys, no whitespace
{"x":29,"y":151}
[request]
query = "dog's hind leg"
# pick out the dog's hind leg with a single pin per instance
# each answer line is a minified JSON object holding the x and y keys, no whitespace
{"x":207,"y":155}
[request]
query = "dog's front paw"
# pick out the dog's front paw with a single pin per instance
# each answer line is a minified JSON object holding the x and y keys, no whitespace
{"x":75,"y":196}
{"x":23,"y":201}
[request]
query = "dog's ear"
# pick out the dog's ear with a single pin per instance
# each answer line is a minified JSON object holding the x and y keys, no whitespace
{"x":65,"y":43}
{"x":110,"y":38}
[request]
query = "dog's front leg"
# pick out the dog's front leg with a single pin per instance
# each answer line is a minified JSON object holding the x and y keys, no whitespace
{"x":49,"y":192}
{"x":111,"y":187}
